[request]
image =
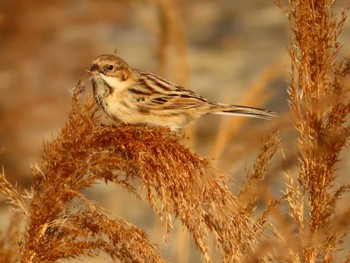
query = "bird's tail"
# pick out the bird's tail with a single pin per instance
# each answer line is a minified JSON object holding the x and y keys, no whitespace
{"x":227,"y":109}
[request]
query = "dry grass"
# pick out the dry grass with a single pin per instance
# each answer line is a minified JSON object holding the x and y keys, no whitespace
{"x":64,"y":224}
{"x":319,"y":97}
{"x":55,"y":221}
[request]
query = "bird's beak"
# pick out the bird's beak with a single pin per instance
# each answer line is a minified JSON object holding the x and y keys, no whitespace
{"x":93,"y":70}
{"x":90,"y":72}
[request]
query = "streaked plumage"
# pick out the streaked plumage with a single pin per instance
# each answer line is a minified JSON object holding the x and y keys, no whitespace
{"x":135,"y":96}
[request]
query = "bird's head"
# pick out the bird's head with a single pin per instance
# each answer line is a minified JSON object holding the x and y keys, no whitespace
{"x":110,"y":66}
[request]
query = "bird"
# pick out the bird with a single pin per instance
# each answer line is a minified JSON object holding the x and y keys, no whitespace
{"x":134,"y":96}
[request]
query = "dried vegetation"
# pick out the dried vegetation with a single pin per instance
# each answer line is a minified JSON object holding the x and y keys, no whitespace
{"x":54,"y":220}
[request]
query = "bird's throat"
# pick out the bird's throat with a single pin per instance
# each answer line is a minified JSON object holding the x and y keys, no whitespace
{"x":115,"y":82}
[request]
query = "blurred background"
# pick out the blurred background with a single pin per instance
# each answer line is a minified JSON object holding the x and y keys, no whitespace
{"x":228,"y":51}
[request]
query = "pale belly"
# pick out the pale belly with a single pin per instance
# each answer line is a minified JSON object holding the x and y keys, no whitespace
{"x":128,"y":112}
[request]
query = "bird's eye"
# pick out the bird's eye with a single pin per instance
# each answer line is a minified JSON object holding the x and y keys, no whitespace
{"x":110,"y":67}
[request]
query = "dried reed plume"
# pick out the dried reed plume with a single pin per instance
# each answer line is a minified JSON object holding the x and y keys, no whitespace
{"x":64,"y":224}
{"x":319,"y":98}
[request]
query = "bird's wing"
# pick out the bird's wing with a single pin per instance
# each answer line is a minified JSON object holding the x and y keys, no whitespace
{"x":155,"y":93}
{"x":175,"y":101}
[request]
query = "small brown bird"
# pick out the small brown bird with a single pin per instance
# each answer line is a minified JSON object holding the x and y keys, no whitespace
{"x":135,"y":96}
